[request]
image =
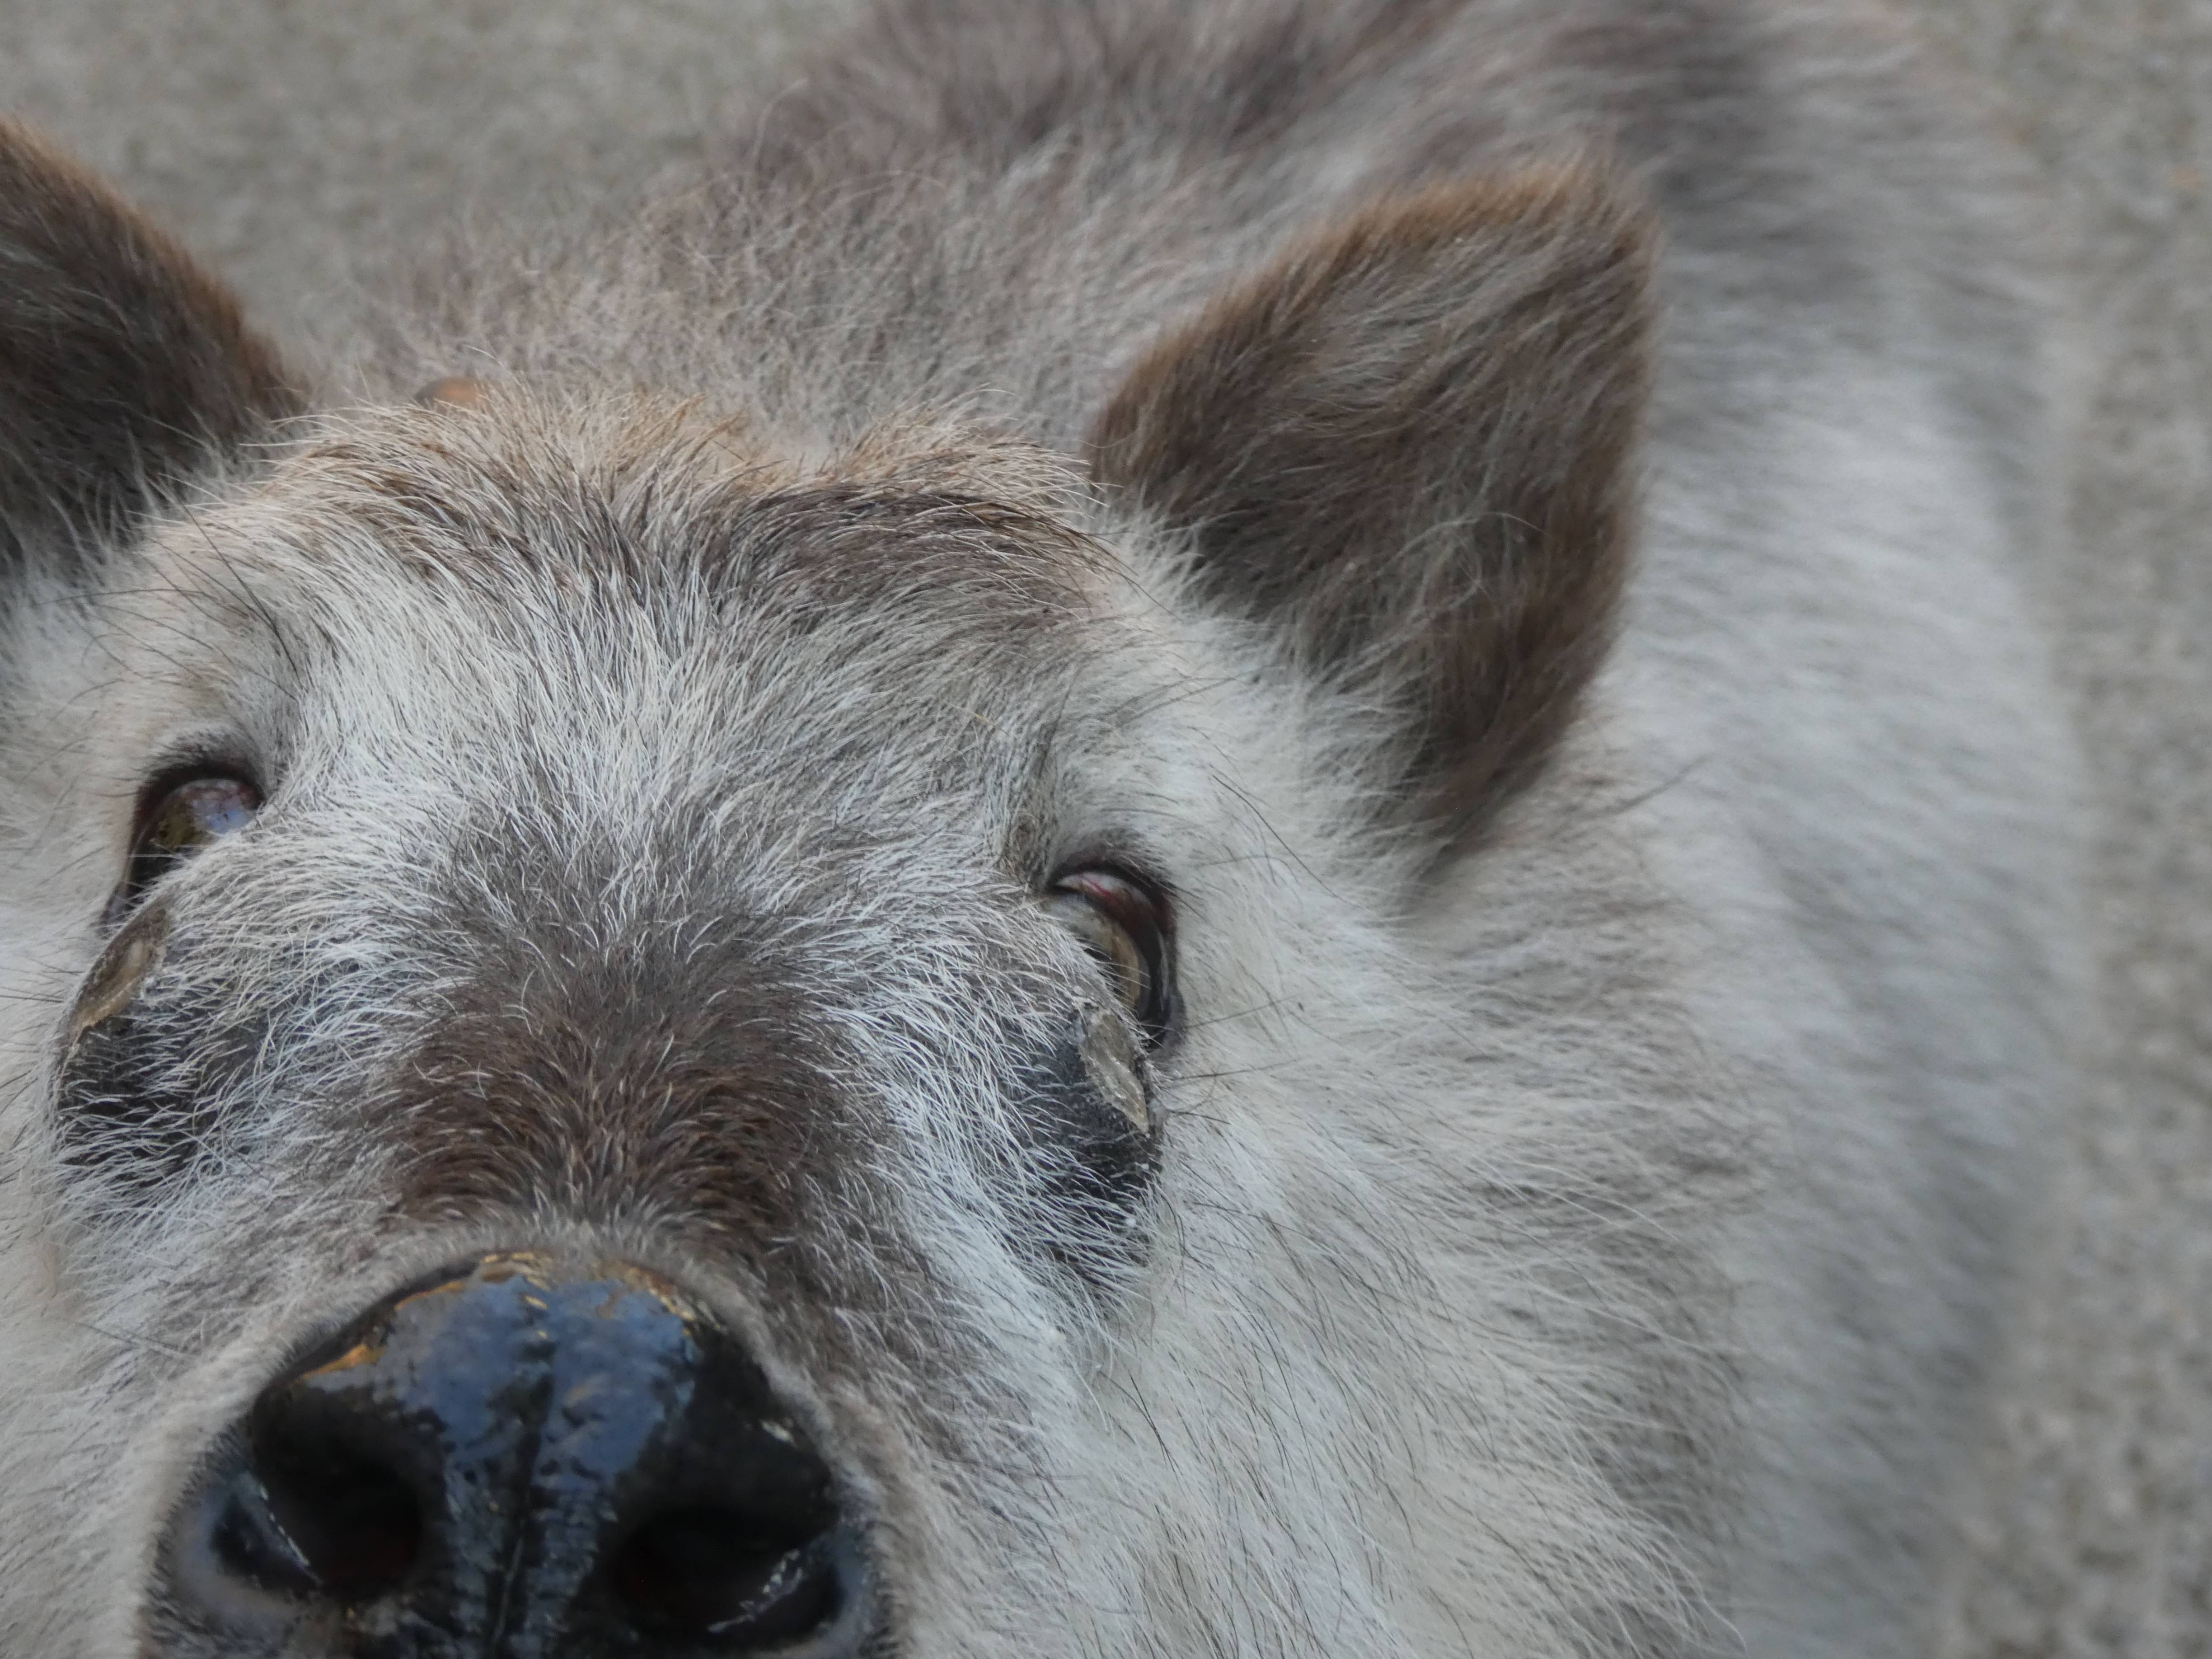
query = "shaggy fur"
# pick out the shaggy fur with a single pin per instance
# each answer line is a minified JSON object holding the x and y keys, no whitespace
{"x":1572,"y":1209}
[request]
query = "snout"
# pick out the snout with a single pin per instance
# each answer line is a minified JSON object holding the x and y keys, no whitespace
{"x":514,"y":1464}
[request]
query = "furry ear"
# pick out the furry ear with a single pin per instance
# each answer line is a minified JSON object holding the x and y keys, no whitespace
{"x":125,"y":369}
{"x":1409,"y":445}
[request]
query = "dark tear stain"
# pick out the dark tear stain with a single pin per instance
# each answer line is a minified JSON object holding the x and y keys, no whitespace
{"x":1094,"y":1162}
{"x":123,"y":967}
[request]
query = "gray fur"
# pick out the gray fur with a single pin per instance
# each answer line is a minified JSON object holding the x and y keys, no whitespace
{"x":1591,"y":1245}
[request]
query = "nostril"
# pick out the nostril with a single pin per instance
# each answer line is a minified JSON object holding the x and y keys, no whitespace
{"x":318,"y":1520}
{"x":715,"y":1575}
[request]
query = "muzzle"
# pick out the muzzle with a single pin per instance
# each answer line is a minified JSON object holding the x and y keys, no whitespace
{"x":508,"y":1464}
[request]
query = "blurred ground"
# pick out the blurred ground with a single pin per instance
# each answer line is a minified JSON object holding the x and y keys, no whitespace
{"x":2095,"y":1535}
{"x":302,"y":145}
{"x":291,"y":140}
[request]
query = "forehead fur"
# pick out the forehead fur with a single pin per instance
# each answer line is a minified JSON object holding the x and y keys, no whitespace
{"x":522,"y":490}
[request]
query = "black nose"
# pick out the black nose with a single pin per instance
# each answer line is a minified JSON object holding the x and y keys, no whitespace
{"x":510,"y":1464}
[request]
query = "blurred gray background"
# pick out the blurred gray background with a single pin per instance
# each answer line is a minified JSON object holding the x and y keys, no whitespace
{"x":302,"y":144}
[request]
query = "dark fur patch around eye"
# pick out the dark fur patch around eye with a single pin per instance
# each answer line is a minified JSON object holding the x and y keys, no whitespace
{"x":1094,"y":1164}
{"x":143,"y":1087}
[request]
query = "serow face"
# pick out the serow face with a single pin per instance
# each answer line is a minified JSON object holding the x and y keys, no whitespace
{"x":670,"y":1046}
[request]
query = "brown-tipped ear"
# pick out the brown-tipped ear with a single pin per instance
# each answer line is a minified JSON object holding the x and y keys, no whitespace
{"x":125,"y":369}
{"x":1408,"y":444}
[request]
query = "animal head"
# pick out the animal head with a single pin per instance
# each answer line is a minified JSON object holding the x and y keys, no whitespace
{"x":633,"y":1032}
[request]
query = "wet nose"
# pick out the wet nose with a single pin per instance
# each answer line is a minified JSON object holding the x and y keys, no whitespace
{"x":514,"y":1464}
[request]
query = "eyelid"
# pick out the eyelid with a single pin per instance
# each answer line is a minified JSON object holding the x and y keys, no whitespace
{"x":183,"y":763}
{"x":1131,"y":871}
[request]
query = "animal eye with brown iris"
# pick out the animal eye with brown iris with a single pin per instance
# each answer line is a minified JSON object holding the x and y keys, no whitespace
{"x":1127,"y":925}
{"x":178,"y":814}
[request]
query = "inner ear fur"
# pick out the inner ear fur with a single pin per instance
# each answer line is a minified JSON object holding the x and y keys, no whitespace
{"x":125,"y":367}
{"x":1408,"y":444}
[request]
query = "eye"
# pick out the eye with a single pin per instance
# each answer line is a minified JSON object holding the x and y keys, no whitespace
{"x":179,"y":816}
{"x":1125,"y":925}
